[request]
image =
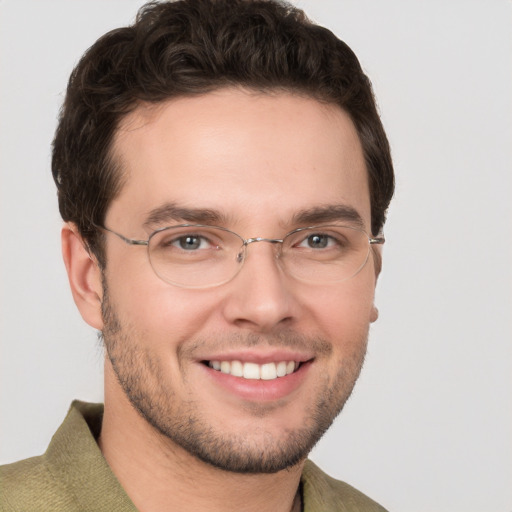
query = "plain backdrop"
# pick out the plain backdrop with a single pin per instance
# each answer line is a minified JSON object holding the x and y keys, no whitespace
{"x":429,"y":427}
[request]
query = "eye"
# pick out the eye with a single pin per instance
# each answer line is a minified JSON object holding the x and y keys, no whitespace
{"x":193,"y":243}
{"x":318,"y":241}
{"x":189,"y":242}
{"x":327,"y":241}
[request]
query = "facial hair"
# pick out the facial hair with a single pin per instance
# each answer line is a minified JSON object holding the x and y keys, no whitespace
{"x":183,"y":422}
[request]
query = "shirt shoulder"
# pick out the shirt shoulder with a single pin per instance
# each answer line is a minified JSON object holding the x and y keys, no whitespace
{"x":72,"y":475}
{"x":28,"y":485}
{"x":322,"y":493}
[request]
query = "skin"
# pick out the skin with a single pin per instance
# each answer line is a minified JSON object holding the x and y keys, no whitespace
{"x":257,"y":159}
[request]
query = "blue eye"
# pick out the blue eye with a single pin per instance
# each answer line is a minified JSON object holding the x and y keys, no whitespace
{"x":323,"y":240}
{"x":318,"y":241}
{"x":189,"y":242}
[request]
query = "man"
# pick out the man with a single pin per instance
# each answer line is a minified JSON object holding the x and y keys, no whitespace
{"x":223,"y":176}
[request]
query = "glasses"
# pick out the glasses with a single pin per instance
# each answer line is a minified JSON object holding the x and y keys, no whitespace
{"x":201,"y":256}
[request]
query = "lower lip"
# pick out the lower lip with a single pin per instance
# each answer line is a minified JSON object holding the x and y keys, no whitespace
{"x":258,"y":390}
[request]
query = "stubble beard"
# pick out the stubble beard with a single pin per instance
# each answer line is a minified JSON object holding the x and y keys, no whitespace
{"x":182,"y":422}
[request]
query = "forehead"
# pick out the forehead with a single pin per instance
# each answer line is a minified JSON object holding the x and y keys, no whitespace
{"x":249,"y":156}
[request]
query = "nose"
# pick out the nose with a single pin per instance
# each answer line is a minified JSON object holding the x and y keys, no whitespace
{"x":260,"y":297}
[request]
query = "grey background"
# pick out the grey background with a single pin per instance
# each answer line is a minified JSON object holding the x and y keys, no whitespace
{"x":429,"y":427}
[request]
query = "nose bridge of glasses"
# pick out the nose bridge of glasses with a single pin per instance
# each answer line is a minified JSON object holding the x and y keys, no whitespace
{"x":243,"y":250}
{"x":260,"y":239}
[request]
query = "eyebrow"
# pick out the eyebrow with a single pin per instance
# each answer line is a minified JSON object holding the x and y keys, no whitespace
{"x":171,"y":212}
{"x":329,"y":213}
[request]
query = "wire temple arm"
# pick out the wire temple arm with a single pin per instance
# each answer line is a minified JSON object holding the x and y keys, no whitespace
{"x":130,"y":241}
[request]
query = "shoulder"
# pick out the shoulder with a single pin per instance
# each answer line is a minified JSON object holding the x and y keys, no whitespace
{"x":71,"y":476}
{"x":28,"y":485}
{"x":323,"y":493}
{"x":44,"y":482}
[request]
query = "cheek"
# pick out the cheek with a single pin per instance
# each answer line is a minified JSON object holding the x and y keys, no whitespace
{"x":154,"y":310}
{"x":343,"y":312}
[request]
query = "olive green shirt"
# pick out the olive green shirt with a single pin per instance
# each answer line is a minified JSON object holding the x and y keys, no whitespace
{"x":73,"y":476}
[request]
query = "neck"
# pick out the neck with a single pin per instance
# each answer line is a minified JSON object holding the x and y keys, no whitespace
{"x":159,"y":475}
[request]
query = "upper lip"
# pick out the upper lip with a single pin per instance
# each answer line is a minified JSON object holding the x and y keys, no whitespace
{"x":259,"y":356}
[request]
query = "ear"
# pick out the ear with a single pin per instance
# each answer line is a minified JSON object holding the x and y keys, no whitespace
{"x":377,"y":265}
{"x":84,"y":276}
{"x":374,"y":314}
{"x":376,"y":253}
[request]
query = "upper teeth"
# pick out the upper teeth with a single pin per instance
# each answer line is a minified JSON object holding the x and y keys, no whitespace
{"x":267,"y":371}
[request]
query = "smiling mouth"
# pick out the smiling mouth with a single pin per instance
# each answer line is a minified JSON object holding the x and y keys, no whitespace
{"x":254,"y":371}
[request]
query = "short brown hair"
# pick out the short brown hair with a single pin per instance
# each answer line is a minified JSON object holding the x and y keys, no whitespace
{"x":190,"y":47}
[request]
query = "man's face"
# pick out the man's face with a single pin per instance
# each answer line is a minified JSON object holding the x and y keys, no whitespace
{"x":254,"y":163}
